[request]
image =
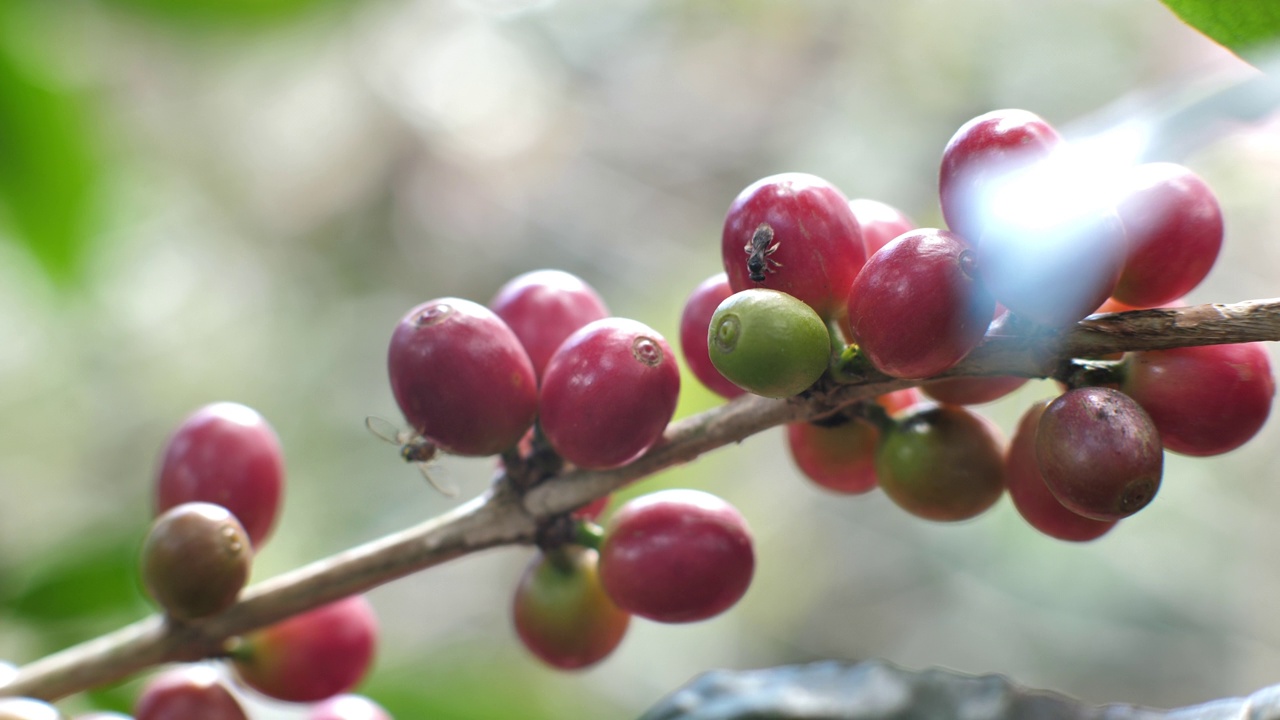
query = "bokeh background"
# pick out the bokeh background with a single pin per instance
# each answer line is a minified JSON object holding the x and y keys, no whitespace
{"x":210,"y":200}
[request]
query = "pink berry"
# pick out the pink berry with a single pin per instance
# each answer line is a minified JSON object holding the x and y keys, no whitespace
{"x":187,"y":692}
{"x":880,"y":223}
{"x":462,"y":378}
{"x":225,"y":454}
{"x":543,"y":308}
{"x":695,"y":321}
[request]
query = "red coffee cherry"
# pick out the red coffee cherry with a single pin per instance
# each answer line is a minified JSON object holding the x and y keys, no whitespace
{"x":312,"y":656}
{"x":943,"y":463}
{"x":348,"y":707}
{"x":608,"y":393}
{"x":837,"y":454}
{"x":561,"y":612}
{"x":225,"y":454}
{"x":794,"y":233}
{"x":187,"y":692}
{"x":1204,"y":400}
{"x":1030,"y":494}
{"x":28,"y":709}
{"x":543,"y":308}
{"x":980,"y":157}
{"x":461,"y":377}
{"x":195,"y":560}
{"x":694,"y":322}
{"x":1174,"y":227}
{"x":916,"y":308}
{"x":880,"y":223}
{"x":1099,"y":453}
{"x":676,"y":556}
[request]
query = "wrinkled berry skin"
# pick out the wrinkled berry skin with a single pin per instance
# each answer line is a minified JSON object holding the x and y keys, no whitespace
{"x":312,"y":656}
{"x":187,"y":692}
{"x":225,"y":454}
{"x":1204,"y":400}
{"x":195,"y":560}
{"x":562,"y":614}
{"x":462,"y":378}
{"x":348,"y":707}
{"x":1099,"y":453}
{"x":695,"y":319}
{"x":676,"y":556}
{"x":819,"y":245}
{"x":544,"y":307}
{"x":608,"y":393}
{"x":917,"y":308}
{"x":1031,"y":496}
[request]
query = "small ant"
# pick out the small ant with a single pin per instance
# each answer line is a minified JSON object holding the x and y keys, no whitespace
{"x":413,"y":448}
{"x":759,"y":250}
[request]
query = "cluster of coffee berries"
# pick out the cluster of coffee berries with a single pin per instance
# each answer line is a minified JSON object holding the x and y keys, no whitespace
{"x":545,"y":375}
{"x":217,"y":495}
{"x":1038,"y":237}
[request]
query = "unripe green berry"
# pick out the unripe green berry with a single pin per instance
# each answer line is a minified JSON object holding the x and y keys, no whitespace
{"x":768,"y":342}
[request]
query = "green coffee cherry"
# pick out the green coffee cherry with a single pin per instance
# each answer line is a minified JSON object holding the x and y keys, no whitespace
{"x":768,"y":342}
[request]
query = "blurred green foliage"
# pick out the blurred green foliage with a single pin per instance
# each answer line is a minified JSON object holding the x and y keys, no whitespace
{"x":1248,"y":27}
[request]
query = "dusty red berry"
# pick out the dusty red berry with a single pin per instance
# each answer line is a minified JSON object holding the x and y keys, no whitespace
{"x":695,"y":319}
{"x":794,"y":233}
{"x":312,"y":656}
{"x":608,"y":393}
{"x":225,"y":454}
{"x":544,"y":307}
{"x":1031,"y":496}
{"x":916,"y":307}
{"x":676,"y":556}
{"x":461,"y":377}
{"x":837,"y":454}
{"x":1099,"y":453}
{"x":195,"y":560}
{"x":1204,"y":400}
{"x":561,"y":612}
{"x":1174,"y":226}
{"x":187,"y":692}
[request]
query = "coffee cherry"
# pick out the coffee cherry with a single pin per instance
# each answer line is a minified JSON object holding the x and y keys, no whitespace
{"x":543,"y":308}
{"x":897,"y":401}
{"x":794,"y":233}
{"x":942,"y":463}
{"x":768,"y":343}
{"x":980,"y":157}
{"x":879,"y":222}
{"x":312,"y":656}
{"x":1030,"y":494}
{"x":562,"y":613}
{"x":348,"y":707}
{"x":608,"y":393}
{"x":461,"y":377}
{"x":676,"y":556}
{"x":195,"y":560}
{"x":1204,"y":400}
{"x":972,"y":390}
{"x":187,"y":692}
{"x":916,"y":308}
{"x":1174,"y":227}
{"x":838,"y":454}
{"x":225,"y":454}
{"x":694,"y":323}
{"x":1099,"y":453}
{"x":29,"y":709}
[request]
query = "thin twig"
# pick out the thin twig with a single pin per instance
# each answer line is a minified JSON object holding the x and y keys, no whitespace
{"x":506,"y":515}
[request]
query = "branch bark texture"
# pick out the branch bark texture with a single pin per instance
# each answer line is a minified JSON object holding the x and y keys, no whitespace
{"x":510,"y":513}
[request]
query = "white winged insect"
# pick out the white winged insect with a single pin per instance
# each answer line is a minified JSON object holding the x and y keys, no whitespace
{"x":413,"y":447}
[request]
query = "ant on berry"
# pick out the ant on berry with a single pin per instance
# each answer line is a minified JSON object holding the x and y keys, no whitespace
{"x":413,"y":448}
{"x":759,"y":250}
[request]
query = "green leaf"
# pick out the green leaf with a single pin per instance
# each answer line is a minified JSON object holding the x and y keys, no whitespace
{"x":1244,"y":26}
{"x":85,"y":585}
{"x":223,"y":12}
